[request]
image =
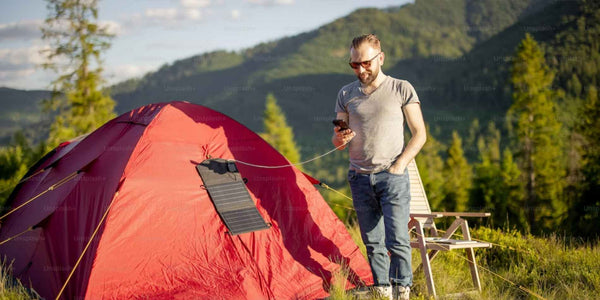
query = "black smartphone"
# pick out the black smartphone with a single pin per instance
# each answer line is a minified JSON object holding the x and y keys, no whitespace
{"x":341,"y":123}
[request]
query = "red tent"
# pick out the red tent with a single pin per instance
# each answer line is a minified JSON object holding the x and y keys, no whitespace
{"x":134,"y":182}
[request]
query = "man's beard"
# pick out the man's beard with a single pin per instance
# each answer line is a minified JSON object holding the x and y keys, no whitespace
{"x":370,"y":77}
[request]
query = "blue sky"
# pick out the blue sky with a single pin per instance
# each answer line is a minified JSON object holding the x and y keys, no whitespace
{"x":150,"y":33}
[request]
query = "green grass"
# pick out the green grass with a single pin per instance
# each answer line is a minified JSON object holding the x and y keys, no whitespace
{"x":516,"y":267}
{"x":11,"y":288}
{"x":552,"y":267}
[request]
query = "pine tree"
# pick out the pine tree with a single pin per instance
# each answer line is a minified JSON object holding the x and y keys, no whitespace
{"x":487,"y":182}
{"x":535,"y":129}
{"x":589,"y":206}
{"x":277,"y":132}
{"x":76,"y":43}
{"x":15,"y":160}
{"x":430,"y":166}
{"x":575,"y":54}
{"x":458,"y":174}
{"x":511,"y":194}
{"x":497,"y":186}
{"x":472,"y":139}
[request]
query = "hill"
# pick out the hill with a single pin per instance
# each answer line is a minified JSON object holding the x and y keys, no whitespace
{"x":454,"y":52}
{"x":21,"y":110}
{"x":424,"y":42}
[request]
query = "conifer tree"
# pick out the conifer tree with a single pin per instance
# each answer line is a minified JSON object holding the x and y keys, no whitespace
{"x":589,"y":206}
{"x":277,"y":132}
{"x":76,"y":43}
{"x":457,"y":174}
{"x":470,"y":142}
{"x":511,"y":194}
{"x":15,"y":159}
{"x":535,"y":129}
{"x":487,"y":182}
{"x":575,"y":54}
{"x":430,"y":166}
{"x":497,"y":186}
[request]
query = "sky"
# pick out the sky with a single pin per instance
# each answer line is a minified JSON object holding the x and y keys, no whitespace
{"x":151,"y":33}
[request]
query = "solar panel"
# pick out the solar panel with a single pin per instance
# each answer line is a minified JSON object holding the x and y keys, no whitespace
{"x":228,"y":193}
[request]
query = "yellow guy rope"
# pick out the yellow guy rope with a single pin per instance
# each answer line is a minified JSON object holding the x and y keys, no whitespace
{"x":52,"y":187}
{"x":339,"y":193}
{"x":23,"y":180}
{"x":16,"y":236}
{"x":86,"y":246}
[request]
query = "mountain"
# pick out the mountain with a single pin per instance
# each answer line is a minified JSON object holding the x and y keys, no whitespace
{"x":423,"y":42}
{"x":456,"y":53}
{"x":21,"y":110}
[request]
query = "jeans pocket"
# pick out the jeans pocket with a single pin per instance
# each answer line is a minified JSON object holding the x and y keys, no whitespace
{"x":351,"y":175}
{"x":394,"y":174}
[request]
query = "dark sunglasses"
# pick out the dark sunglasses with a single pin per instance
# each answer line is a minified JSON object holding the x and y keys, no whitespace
{"x":365,"y":64}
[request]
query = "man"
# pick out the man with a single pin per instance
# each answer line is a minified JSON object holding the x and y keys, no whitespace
{"x":375,"y":107}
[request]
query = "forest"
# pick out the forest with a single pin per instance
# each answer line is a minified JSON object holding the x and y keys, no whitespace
{"x":508,"y":89}
{"x":509,"y":92}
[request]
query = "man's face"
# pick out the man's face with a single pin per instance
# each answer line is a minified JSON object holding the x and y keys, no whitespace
{"x":366,"y":53}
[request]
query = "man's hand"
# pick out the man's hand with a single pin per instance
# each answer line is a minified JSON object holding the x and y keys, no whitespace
{"x":397,"y":168}
{"x":342,"y":137}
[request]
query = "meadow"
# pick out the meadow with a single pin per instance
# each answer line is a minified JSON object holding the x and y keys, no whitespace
{"x":516,"y":267}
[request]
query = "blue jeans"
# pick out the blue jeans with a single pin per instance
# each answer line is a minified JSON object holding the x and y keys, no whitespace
{"x":382,"y":204}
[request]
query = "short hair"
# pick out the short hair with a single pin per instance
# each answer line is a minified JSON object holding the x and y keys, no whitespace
{"x":371,"y":39}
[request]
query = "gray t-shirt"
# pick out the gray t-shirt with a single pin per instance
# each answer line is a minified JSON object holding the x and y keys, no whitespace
{"x":378,"y":121}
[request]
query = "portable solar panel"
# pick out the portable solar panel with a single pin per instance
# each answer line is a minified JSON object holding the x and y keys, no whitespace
{"x":228,"y":193}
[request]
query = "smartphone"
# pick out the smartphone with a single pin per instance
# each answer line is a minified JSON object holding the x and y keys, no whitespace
{"x":341,"y":123}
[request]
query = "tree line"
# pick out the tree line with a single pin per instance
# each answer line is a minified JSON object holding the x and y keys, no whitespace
{"x":539,"y":171}
{"x":533,"y":178}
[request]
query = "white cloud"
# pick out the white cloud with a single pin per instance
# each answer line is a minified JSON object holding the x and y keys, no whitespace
{"x":115,"y":74}
{"x":184,"y":11}
{"x":19,"y":68}
{"x":113,"y":27}
{"x":161,"y":14}
{"x":271,"y":2}
{"x":22,"y":30}
{"x":30,"y":30}
{"x":30,"y":79}
{"x":21,"y":58}
{"x":12,"y":75}
{"x":165,"y":17}
{"x":195,"y":3}
{"x":193,"y":14}
{"x":235,"y":14}
{"x":172,"y":15}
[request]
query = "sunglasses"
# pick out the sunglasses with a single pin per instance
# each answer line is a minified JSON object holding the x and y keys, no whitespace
{"x":365,"y":64}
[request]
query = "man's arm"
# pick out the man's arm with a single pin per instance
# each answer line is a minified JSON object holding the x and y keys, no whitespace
{"x":414,"y":119}
{"x":341,"y":137}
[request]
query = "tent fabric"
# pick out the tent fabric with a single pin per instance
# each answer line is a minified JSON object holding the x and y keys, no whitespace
{"x":162,"y":237}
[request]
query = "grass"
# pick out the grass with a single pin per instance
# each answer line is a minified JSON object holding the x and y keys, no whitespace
{"x":523,"y":266}
{"x":517,"y":267}
{"x":554,"y":267}
{"x":11,"y":288}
